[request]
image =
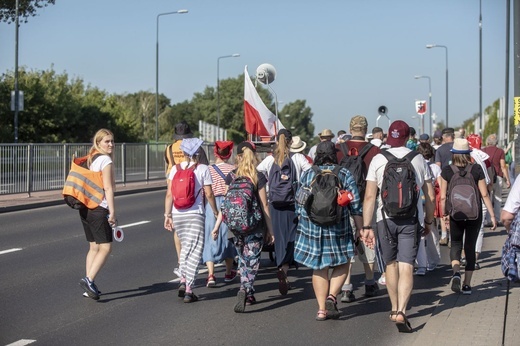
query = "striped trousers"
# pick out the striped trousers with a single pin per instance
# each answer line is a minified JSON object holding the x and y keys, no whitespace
{"x":190,"y":229}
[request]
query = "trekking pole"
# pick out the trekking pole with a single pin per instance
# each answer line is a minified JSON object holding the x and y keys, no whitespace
{"x":505,"y":313}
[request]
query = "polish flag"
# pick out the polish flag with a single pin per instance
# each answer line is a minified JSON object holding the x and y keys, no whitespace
{"x":259,"y":120}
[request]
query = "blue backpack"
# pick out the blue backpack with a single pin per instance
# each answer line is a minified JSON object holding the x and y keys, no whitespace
{"x":282,"y":182}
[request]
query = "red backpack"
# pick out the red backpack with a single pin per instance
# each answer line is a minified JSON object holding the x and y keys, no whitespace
{"x":183,"y":187}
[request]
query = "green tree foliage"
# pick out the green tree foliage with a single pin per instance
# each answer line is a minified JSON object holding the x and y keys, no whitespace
{"x":26,"y":9}
{"x":297,"y":117}
{"x":492,"y":120}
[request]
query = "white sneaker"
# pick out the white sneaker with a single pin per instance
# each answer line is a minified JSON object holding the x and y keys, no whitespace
{"x":382,"y":281}
{"x":420,"y":271}
{"x":177,"y":272}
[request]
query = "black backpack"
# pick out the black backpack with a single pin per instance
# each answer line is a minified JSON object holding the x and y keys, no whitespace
{"x":282,"y":183}
{"x":399,"y":190}
{"x":322,"y":206}
{"x":462,"y":198}
{"x":353,"y":161}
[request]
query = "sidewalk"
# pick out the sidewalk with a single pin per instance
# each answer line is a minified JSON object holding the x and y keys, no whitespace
{"x":477,"y":319}
{"x":457,"y":319}
{"x":40,"y":199}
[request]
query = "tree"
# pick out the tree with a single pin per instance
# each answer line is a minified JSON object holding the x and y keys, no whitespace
{"x":26,"y":9}
{"x":297,"y":117}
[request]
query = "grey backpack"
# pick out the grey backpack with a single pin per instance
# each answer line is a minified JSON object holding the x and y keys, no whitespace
{"x":462,"y":199}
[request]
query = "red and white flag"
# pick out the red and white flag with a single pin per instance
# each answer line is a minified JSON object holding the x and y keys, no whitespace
{"x":259,"y":120}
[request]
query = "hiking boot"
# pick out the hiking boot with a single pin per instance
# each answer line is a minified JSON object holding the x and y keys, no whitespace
{"x":212,"y":281}
{"x":455,"y":283}
{"x":240,"y":305}
{"x":190,"y":297}
{"x":466,"y":289}
{"x":90,"y":288}
{"x":371,"y":290}
{"x":230,"y":277}
{"x":347,"y":296}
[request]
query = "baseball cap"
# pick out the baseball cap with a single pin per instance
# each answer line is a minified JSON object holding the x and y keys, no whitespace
{"x":398,"y":133}
{"x":424,"y":137}
{"x":245,"y":144}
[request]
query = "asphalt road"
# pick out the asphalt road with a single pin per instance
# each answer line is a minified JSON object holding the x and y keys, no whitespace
{"x":40,"y":298}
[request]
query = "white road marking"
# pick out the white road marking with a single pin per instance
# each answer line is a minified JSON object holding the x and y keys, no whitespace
{"x":134,"y":224}
{"x":10,"y":250}
{"x":22,"y":342}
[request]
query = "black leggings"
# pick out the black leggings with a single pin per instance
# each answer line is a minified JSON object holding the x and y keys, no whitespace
{"x":469,"y":231}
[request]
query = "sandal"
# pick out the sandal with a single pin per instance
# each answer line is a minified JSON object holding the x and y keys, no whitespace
{"x":321,"y":315}
{"x":332,"y":307}
{"x":392,"y":316}
{"x":283,"y":285}
{"x":404,"y":325}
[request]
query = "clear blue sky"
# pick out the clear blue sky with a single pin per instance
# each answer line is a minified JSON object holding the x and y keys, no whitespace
{"x":345,"y":57}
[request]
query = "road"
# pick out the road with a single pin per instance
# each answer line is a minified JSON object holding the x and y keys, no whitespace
{"x":42,"y":254}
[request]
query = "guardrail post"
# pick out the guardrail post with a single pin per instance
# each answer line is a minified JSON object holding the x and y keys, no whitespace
{"x":65,"y":161}
{"x":123,"y":163}
{"x":30,"y":159}
{"x":147,"y":162}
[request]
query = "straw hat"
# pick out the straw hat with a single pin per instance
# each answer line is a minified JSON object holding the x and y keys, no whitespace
{"x":326,"y":134}
{"x":460,"y":146}
{"x":297,"y":145}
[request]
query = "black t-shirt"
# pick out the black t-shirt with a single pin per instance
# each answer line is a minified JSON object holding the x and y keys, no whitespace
{"x":262,"y":180}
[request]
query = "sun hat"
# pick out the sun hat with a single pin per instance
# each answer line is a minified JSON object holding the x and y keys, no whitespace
{"x":190,"y":146}
{"x":398,"y":134}
{"x":326,"y":133}
{"x":460,"y":146}
{"x":297,"y":145}
{"x":223,"y":149}
{"x":182,"y":130}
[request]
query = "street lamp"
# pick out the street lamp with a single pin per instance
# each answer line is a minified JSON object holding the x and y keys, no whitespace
{"x":236,"y":55}
{"x":157,"y":71}
{"x":441,"y":46}
{"x":429,"y":99}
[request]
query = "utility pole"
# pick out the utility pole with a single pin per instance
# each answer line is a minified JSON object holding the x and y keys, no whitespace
{"x":516,"y":78}
{"x":16,"y":91}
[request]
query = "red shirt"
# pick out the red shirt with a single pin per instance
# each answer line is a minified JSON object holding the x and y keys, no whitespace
{"x":495,"y":155}
{"x":359,"y":145}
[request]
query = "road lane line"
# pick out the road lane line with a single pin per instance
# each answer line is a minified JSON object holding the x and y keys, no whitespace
{"x":10,"y":250}
{"x":22,"y":342}
{"x":134,"y":224}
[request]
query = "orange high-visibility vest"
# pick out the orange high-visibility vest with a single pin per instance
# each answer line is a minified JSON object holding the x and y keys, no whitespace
{"x":83,"y":184}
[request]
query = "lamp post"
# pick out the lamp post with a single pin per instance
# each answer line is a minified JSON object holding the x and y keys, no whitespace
{"x":236,"y":55}
{"x":429,"y":99}
{"x":157,"y":71}
{"x":441,"y":46}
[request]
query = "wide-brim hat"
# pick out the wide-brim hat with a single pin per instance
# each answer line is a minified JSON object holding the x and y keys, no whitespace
{"x":182,"y":130}
{"x":297,"y":145}
{"x":460,"y":146}
{"x":326,"y":133}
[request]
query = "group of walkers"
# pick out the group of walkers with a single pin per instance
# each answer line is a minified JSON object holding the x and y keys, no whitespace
{"x":382,"y":198}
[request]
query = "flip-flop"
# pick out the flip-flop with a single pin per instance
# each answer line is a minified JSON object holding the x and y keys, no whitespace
{"x":403,"y":326}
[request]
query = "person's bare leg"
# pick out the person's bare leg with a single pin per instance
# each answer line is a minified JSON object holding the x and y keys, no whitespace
{"x":404,"y":286}
{"x":320,"y":284}
{"x":392,"y":279}
{"x":229,"y":265}
{"x":339,"y":274}
{"x":99,"y":259}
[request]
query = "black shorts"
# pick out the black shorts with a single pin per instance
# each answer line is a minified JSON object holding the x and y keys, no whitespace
{"x":96,"y":226}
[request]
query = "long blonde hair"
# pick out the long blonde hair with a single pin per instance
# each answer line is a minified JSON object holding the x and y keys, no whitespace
{"x":246,"y":165}
{"x":281,"y":152}
{"x":98,"y":137}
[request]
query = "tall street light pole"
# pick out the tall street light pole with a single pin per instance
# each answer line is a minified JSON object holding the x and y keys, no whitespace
{"x":441,"y":46}
{"x":236,"y":55}
{"x":157,"y":71}
{"x":16,"y":91}
{"x":429,"y":99}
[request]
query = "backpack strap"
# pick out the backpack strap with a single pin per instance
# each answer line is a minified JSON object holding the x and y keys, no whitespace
{"x":411,"y":155}
{"x":343,"y":146}
{"x":215,"y":167}
{"x":388,"y":155}
{"x":365,"y":150}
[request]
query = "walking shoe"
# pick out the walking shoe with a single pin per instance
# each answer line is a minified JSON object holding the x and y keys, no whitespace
{"x":462,"y":261}
{"x":431,"y":267}
{"x":250,"y":300}
{"x":382,"y":280}
{"x":240,"y":305}
{"x":477,"y":266}
{"x":283,"y":285}
{"x":455,"y":283}
{"x":89,"y":287}
{"x":420,"y":271}
{"x":212,"y":281}
{"x":182,"y":290}
{"x":331,"y":307}
{"x":347,"y":296}
{"x":177,"y":272}
{"x":443,"y":241}
{"x":86,"y":295}
{"x":371,"y":290}
{"x":466,"y":289}
{"x":190,"y":297}
{"x":230,"y":277}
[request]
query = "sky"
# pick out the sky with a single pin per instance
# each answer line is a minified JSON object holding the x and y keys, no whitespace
{"x":344,"y":57}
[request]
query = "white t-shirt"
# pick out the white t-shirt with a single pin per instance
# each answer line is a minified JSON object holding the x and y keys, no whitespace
{"x":312,"y":152}
{"x":513,"y":199}
{"x":97,"y":166}
{"x":202,"y":178}
{"x":377,"y":168}
{"x":300,"y":162}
